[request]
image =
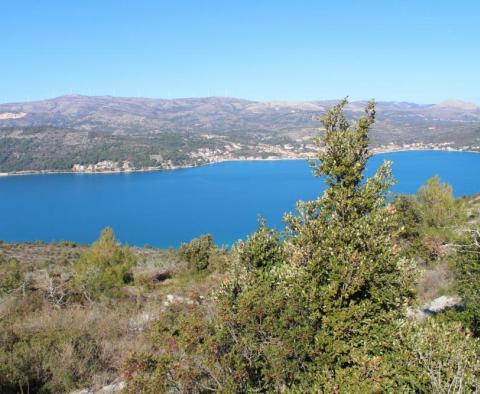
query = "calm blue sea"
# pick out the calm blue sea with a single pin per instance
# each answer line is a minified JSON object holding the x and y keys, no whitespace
{"x":166,"y":208}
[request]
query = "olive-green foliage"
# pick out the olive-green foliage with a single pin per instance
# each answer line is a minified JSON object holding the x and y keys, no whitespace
{"x":181,"y":329}
{"x":409,"y":215}
{"x":438,"y":356}
{"x":10,"y":275}
{"x":51,"y":361}
{"x":467,"y":280}
{"x":354,"y":283}
{"x":438,"y":206}
{"x":429,"y":219}
{"x":52,"y":341}
{"x":262,"y":249}
{"x":103,"y":269}
{"x":197,"y":252}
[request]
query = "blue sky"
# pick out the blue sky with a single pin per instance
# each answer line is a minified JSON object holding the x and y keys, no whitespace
{"x":411,"y":50}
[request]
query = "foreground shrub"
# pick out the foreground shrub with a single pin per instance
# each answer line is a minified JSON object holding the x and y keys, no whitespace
{"x":262,"y":249}
{"x":430,"y":220}
{"x":103,"y":269}
{"x":410,"y":217}
{"x":183,"y":338}
{"x":439,"y":357}
{"x":50,"y":361}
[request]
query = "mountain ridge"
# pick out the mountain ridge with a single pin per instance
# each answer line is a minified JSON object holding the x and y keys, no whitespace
{"x":64,"y":131}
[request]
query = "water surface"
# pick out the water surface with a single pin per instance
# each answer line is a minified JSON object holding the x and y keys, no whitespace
{"x":166,"y":208}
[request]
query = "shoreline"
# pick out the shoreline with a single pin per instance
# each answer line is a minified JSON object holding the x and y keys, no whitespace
{"x":155,"y":169}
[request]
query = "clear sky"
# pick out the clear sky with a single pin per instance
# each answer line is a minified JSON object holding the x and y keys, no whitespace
{"x":411,"y":50}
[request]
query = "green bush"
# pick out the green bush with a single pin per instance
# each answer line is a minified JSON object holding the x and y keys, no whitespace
{"x":410,"y":216}
{"x":429,"y":220}
{"x":183,"y":328}
{"x":437,"y":356}
{"x":438,"y":206}
{"x":467,"y":280}
{"x":197,"y":252}
{"x":50,"y":361}
{"x":103,"y":269}
{"x":10,"y":275}
{"x":262,"y":249}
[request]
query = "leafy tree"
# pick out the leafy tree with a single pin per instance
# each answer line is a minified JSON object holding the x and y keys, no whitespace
{"x":103,"y":268}
{"x":409,"y":215}
{"x":429,"y":220}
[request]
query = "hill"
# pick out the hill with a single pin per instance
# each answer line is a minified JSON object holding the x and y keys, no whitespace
{"x":56,"y":134}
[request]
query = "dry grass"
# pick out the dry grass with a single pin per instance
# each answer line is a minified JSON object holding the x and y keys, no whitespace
{"x":434,"y":282}
{"x":109,"y":330}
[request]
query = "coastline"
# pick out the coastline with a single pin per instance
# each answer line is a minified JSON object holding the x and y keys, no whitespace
{"x":155,"y":169}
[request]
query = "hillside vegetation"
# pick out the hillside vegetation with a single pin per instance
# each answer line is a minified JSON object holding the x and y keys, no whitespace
{"x":58,"y":133}
{"x":334,"y":302}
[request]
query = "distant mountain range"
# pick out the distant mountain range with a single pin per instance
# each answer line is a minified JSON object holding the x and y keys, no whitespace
{"x":212,"y":114}
{"x":58,"y":133}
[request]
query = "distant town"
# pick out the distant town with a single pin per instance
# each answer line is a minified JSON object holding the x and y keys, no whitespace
{"x":232,"y":152}
{"x":204,"y":156}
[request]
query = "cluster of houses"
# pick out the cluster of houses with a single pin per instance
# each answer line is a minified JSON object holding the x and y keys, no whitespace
{"x":260,"y":151}
{"x":104,"y":166}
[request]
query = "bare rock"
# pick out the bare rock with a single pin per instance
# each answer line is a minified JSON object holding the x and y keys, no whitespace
{"x":435,"y":306}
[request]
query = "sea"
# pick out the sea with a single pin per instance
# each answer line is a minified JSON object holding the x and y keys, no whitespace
{"x":166,"y":208}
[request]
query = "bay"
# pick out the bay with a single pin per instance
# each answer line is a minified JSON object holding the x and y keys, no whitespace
{"x":166,"y":208}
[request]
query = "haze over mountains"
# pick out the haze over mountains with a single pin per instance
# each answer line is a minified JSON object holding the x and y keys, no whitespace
{"x":159,"y":132}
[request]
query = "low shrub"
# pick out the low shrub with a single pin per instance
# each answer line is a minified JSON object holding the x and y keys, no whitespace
{"x":197,"y":252}
{"x":49,"y":361}
{"x":10,"y":275}
{"x":103,"y":269}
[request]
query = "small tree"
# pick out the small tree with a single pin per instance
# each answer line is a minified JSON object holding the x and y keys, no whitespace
{"x":355,"y":284}
{"x":409,"y":215}
{"x":103,"y":268}
{"x":438,"y":205}
{"x":197,"y":252}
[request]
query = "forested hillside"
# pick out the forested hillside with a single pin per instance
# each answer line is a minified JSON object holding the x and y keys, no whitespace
{"x":58,"y":133}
